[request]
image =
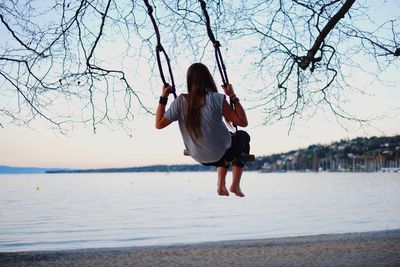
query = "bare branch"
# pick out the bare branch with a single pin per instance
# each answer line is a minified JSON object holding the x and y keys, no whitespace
{"x":310,"y":57}
{"x":83,"y":62}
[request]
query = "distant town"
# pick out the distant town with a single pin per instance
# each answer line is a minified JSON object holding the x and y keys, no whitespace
{"x":356,"y":155}
{"x":373,"y":154}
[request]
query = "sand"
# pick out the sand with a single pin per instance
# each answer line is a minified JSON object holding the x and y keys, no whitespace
{"x":355,"y":249}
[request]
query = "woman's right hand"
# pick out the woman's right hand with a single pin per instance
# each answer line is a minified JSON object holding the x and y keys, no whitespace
{"x":228,"y":89}
{"x":166,"y":90}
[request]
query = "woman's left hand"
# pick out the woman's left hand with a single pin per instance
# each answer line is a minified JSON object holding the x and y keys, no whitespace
{"x":228,"y":89}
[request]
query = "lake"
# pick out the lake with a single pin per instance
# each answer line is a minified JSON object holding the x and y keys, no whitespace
{"x":70,"y":211}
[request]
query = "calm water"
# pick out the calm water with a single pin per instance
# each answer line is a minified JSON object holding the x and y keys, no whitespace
{"x":68,"y":211}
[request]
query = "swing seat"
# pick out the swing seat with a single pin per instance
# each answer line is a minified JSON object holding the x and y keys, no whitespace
{"x":245,"y":157}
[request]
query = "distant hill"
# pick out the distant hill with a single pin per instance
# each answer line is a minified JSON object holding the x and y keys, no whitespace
{"x":10,"y":169}
{"x":359,"y":154}
{"x":151,"y":168}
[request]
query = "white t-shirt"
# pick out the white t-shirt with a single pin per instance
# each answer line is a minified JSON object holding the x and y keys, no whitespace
{"x":215,"y":137}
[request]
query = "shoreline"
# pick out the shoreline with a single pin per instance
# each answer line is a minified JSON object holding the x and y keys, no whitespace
{"x":380,"y":248}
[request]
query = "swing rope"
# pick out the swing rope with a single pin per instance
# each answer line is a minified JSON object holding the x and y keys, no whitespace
{"x":160,"y":49}
{"x":216,"y":44}
{"x":217,"y":50}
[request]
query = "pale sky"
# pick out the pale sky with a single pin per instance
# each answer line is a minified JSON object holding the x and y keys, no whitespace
{"x":106,"y":148}
{"x":42,"y":147}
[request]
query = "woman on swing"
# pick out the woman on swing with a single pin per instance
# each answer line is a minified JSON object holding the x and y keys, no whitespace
{"x":205,"y":135}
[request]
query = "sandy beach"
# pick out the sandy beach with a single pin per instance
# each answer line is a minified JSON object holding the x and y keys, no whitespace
{"x":354,"y":249}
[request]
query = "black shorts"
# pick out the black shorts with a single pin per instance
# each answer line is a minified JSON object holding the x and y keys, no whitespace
{"x":240,"y":144}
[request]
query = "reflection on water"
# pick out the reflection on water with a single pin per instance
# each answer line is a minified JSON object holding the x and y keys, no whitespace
{"x":68,"y":211}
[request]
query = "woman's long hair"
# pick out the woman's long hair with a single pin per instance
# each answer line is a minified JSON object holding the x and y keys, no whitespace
{"x":199,"y":83}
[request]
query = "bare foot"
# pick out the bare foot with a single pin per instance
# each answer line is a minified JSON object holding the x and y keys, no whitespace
{"x":236,"y":190}
{"x":222,"y":191}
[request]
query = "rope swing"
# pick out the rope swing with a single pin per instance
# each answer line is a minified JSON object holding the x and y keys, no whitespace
{"x":160,"y":49}
{"x":218,"y":56}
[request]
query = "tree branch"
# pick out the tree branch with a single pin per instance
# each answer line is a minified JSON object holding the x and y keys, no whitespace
{"x":310,"y":57}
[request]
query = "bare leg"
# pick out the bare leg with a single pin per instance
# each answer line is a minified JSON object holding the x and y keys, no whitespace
{"x":221,"y":190}
{"x":236,"y":175}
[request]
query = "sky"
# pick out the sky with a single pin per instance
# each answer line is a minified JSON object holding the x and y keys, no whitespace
{"x":81,"y":148}
{"x":147,"y":146}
